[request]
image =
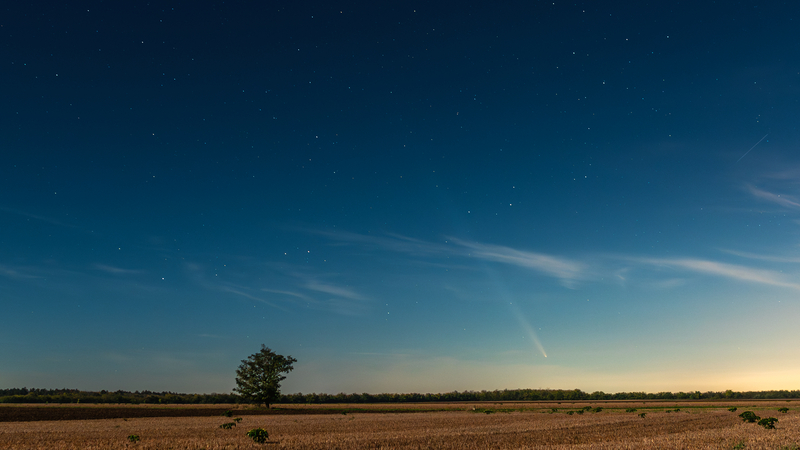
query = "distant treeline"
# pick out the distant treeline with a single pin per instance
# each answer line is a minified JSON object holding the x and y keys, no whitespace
{"x":25,"y":395}
{"x":530,"y":395}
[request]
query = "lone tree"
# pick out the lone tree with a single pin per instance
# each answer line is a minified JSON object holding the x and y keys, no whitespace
{"x":258,"y":378}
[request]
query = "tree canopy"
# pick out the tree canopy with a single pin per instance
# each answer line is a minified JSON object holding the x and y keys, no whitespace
{"x":258,"y":378}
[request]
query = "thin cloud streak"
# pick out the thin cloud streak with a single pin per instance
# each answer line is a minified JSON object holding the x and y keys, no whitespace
{"x":778,"y":259}
{"x":37,"y":217}
{"x":736,"y":272}
{"x":15,"y":274}
{"x":116,"y":270}
{"x":336,"y":291}
{"x":566,"y":270}
{"x":785,"y":201}
{"x":561,"y":268}
{"x":393,"y":242}
{"x":789,"y":173}
{"x":289,"y":293}
{"x":342,"y":300}
{"x":321,"y":295}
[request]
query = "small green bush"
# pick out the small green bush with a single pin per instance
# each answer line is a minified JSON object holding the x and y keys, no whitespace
{"x":258,"y":435}
{"x":580,"y":411}
{"x":783,"y":410}
{"x":768,"y":423}
{"x":597,"y":410}
{"x":227,"y":414}
{"x":569,"y":413}
{"x":133,"y":437}
{"x":749,"y":416}
{"x":227,"y":426}
{"x":732,"y":409}
{"x":642,"y":415}
{"x":237,"y":419}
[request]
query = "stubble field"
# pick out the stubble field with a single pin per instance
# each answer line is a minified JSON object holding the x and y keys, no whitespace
{"x":509,"y":425}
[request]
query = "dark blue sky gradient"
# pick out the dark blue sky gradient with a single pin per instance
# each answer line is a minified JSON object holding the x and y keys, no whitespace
{"x":403,"y":196}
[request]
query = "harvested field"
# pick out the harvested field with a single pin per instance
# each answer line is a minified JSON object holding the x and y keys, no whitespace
{"x":511,"y":425}
{"x":71,"y":412}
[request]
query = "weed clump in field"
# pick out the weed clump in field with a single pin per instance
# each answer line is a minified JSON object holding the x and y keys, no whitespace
{"x":642,"y":415}
{"x":133,"y":437}
{"x":597,"y":410}
{"x":258,"y":435}
{"x":237,"y":419}
{"x":749,"y":416}
{"x":227,"y":413}
{"x":732,"y":409}
{"x":768,"y":423}
{"x":228,"y":426}
{"x":630,"y":410}
{"x":783,"y":410}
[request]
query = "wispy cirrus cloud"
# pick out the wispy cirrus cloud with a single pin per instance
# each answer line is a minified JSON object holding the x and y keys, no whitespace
{"x":116,"y":270}
{"x":770,"y":258}
{"x":285,"y":288}
{"x":336,"y":291}
{"x":732,"y":271}
{"x":16,"y":273}
{"x":786,"y":201}
{"x":334,"y":297}
{"x":393,"y":242}
{"x":786,"y":172}
{"x":49,"y":220}
{"x":343,"y":300}
{"x":570,"y":271}
{"x":564,"y":269}
{"x":287,"y":293}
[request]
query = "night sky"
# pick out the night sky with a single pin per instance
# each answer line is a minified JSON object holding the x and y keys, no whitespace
{"x":404,"y":196}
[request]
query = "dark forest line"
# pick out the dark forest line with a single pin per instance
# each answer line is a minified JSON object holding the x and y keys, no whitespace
{"x":25,"y":395}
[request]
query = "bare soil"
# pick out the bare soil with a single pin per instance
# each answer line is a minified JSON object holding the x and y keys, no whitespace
{"x":473,"y":426}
